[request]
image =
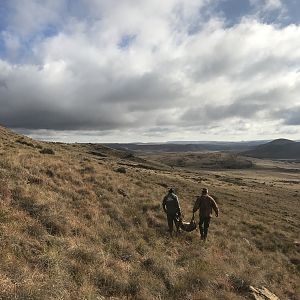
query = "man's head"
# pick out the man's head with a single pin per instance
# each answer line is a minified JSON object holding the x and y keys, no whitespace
{"x":171,"y":191}
{"x":204,"y":191}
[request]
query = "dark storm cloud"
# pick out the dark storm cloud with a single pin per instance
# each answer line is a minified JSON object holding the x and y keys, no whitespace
{"x":37,"y":118}
{"x":290,"y":116}
{"x":149,"y":91}
{"x":32,"y":113}
{"x":3,"y":84}
{"x":211,"y":113}
{"x":78,"y":103}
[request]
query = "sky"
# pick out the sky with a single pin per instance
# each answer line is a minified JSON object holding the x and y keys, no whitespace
{"x":150,"y":70}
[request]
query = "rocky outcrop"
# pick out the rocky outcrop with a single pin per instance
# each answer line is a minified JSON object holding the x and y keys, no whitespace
{"x":262,"y":294}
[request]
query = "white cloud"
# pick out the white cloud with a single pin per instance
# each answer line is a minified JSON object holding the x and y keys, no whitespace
{"x":273,"y":4}
{"x":30,"y":16}
{"x":165,"y":82}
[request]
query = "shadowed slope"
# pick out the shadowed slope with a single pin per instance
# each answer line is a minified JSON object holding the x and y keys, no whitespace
{"x":277,"y":149}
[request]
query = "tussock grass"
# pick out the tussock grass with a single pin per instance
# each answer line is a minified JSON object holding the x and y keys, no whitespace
{"x":74,"y":228}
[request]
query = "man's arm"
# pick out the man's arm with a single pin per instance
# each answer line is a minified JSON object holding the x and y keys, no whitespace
{"x":196,"y":205}
{"x":215,"y":206}
{"x":178,"y":206}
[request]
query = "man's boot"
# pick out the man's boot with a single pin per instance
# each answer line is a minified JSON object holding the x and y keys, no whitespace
{"x":201,"y":233}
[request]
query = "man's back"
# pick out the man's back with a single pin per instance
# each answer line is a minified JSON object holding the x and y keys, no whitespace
{"x":171,"y":204}
{"x":206,"y":204}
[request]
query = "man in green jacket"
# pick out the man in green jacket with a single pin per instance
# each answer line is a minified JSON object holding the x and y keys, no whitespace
{"x":206,"y":204}
{"x":171,"y":207}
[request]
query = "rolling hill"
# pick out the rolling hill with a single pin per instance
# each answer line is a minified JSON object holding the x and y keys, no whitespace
{"x":186,"y":146}
{"x":277,"y":149}
{"x":83,"y":221}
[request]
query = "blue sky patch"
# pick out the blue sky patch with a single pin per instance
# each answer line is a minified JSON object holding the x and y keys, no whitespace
{"x":126,"y":41}
{"x":2,"y":48}
{"x":293,"y":12}
{"x":50,"y":30}
{"x":233,"y":10}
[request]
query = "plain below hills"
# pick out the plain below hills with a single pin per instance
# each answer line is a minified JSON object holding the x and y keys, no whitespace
{"x":188,"y":146}
{"x":277,"y":149}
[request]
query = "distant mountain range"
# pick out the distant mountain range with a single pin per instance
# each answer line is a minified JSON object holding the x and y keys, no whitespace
{"x":240,"y":143}
{"x":277,"y":149}
{"x":185,"y":146}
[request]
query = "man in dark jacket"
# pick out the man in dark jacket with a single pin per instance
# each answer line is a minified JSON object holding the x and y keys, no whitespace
{"x":206,"y":204}
{"x":171,"y":207}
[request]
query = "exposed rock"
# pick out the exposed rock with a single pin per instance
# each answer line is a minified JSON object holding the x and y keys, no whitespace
{"x":262,"y":294}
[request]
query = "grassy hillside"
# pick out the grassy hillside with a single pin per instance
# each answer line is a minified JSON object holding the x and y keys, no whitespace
{"x":73,"y":225}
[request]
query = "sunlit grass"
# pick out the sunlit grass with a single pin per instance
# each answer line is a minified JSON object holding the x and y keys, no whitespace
{"x":72,"y":227}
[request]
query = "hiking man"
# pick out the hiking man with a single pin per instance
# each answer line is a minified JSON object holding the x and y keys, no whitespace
{"x":206,"y":204}
{"x":171,"y":207}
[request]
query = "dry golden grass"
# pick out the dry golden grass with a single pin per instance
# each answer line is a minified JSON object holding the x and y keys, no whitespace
{"x":72,"y":227}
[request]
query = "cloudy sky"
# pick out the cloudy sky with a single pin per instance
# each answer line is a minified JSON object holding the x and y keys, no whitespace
{"x":150,"y":70}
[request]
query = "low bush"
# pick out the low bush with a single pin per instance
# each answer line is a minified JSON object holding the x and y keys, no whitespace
{"x":47,"y":151}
